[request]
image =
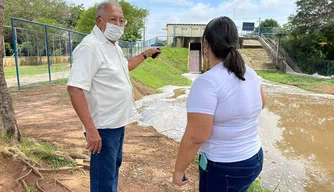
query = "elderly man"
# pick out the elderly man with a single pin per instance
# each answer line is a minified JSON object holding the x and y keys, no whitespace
{"x":101,"y":93}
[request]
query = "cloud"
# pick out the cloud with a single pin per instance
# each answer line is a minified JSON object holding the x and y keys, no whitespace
{"x":86,"y":3}
{"x":268,"y":4}
{"x":238,"y":10}
{"x":178,"y":2}
{"x":243,"y":9}
{"x":186,"y":11}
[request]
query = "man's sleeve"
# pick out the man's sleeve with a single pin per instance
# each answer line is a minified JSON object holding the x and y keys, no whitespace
{"x":202,"y":98}
{"x":84,"y":67}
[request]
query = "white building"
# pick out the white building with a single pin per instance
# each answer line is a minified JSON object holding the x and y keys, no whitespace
{"x":180,"y":35}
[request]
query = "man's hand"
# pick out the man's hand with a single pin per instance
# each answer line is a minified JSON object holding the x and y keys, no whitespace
{"x":151,"y":51}
{"x":137,"y":60}
{"x":79,"y":102}
{"x":178,"y":178}
{"x":94,"y":141}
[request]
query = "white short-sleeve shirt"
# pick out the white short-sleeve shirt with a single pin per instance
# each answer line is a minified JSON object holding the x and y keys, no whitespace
{"x":101,"y":70}
{"x":235,"y":105}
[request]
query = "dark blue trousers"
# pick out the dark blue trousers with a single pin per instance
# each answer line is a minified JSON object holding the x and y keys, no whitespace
{"x":104,"y":167}
{"x":231,"y":177}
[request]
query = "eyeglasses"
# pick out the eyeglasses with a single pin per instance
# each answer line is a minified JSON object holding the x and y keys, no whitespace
{"x":113,"y":20}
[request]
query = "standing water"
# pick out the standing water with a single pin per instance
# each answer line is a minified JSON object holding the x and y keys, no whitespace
{"x":296,"y":130}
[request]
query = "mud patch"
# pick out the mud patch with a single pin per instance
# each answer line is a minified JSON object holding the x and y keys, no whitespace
{"x":177,"y":93}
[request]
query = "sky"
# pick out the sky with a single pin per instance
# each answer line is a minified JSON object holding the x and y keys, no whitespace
{"x":162,"y":12}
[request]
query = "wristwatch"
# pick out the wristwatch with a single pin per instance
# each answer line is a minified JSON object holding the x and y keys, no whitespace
{"x":145,"y":57}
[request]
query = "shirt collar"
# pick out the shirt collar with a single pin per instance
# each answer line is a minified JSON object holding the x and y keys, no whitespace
{"x":221,"y":64}
{"x":99,"y":35}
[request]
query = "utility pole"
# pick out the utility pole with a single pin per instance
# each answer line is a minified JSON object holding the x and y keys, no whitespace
{"x":259,"y":27}
{"x":234,"y":14}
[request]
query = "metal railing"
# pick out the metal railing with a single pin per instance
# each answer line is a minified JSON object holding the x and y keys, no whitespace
{"x":43,"y":53}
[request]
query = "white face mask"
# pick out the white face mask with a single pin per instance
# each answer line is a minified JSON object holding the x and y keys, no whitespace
{"x":113,"y":32}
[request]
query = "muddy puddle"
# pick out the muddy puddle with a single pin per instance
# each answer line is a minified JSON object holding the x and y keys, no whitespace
{"x":296,"y":130}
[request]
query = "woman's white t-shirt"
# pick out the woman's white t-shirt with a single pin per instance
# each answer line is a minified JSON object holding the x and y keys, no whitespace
{"x":235,"y":105}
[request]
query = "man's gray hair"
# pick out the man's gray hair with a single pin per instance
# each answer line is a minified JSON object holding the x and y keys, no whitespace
{"x":100,"y":8}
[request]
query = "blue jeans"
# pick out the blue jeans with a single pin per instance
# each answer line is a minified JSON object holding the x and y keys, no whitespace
{"x":104,"y":167}
{"x":230,"y":177}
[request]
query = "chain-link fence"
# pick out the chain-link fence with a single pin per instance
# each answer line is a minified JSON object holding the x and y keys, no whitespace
{"x":255,"y":32}
{"x":158,"y":41}
{"x":131,"y":49}
{"x":38,"y":53}
{"x":309,"y":63}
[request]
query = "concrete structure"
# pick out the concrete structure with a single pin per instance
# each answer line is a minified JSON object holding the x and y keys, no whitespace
{"x":195,"y":58}
{"x":188,"y":36}
{"x":180,"y":35}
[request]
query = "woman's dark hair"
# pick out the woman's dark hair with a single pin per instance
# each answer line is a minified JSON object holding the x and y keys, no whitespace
{"x":222,"y":35}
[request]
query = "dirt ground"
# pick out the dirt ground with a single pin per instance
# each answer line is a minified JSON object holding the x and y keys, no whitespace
{"x":327,"y":89}
{"x":45,"y":114}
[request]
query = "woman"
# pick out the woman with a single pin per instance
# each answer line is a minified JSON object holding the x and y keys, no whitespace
{"x":223,"y":108}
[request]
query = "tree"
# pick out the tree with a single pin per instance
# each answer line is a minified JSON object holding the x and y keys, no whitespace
{"x":53,"y":12}
{"x":9,"y":50}
{"x":57,"y":10}
{"x":8,"y":123}
{"x":87,"y":20}
{"x":136,"y":18}
{"x":75,"y":12}
{"x":311,"y":15}
{"x":269,"y":23}
{"x":328,"y":32}
{"x":313,"y":24}
{"x":267,"y":26}
{"x":312,"y":40}
{"x":134,"y":15}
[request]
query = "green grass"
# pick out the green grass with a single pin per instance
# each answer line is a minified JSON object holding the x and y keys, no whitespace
{"x":49,"y":157}
{"x":45,"y":83}
{"x":32,"y":189}
{"x":307,"y":83}
{"x":4,"y":137}
{"x":165,"y":70}
{"x":257,"y":187}
{"x":32,"y":70}
{"x":153,"y":73}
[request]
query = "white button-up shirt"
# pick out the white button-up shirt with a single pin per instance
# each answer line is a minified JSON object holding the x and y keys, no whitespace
{"x":101,"y":70}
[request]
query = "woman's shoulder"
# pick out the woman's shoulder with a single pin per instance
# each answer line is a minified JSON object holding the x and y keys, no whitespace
{"x":250,"y":71}
{"x":248,"y":68}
